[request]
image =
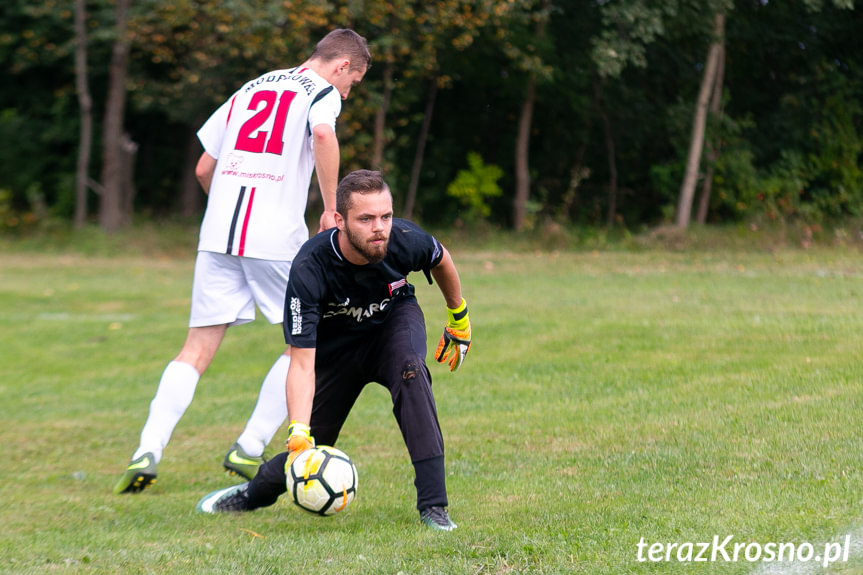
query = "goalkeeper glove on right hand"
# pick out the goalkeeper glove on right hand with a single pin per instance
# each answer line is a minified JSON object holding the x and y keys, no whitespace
{"x":299,"y":439}
{"x":455,"y":341}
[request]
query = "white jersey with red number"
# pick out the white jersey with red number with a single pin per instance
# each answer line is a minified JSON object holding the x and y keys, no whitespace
{"x":262,"y":141}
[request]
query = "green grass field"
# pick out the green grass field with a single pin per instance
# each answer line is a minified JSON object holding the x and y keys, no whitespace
{"x":610,"y":398}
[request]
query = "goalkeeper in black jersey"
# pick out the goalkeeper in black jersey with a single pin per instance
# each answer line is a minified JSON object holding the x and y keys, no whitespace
{"x":351,"y":318}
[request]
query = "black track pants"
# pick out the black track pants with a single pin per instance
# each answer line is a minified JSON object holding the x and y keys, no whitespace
{"x":393,"y":355}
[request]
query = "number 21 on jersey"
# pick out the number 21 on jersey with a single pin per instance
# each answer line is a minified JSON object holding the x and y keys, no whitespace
{"x":251,"y":138}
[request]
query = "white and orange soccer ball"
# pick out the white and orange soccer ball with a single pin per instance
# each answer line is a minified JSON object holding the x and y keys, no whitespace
{"x":322,"y":480}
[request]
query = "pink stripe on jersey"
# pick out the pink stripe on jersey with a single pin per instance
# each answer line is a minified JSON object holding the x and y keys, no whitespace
{"x":242,"y":249}
{"x":231,"y":110}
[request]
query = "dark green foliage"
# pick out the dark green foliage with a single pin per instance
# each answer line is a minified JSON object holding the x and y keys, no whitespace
{"x":789,"y":134}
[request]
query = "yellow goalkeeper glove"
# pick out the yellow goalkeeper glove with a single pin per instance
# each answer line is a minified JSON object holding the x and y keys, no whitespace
{"x":299,"y":439}
{"x":455,"y":341}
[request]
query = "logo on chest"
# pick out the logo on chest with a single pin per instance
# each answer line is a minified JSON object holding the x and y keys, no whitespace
{"x":358,"y":313}
{"x":396,"y":285}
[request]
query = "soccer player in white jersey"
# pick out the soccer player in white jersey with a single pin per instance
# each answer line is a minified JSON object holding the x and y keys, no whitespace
{"x":260,"y":149}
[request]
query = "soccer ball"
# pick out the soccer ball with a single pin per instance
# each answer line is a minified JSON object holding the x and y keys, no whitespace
{"x":322,"y":480}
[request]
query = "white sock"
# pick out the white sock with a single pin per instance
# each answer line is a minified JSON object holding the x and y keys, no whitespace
{"x":175,"y":393}
{"x":270,"y":412}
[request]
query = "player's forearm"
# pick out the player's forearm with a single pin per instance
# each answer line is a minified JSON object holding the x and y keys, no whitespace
{"x":300,"y":385}
{"x":204,"y":171}
{"x":446,"y":277}
{"x":327,"y":158}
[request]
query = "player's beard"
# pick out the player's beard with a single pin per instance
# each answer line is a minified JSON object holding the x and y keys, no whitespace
{"x":373,"y":253}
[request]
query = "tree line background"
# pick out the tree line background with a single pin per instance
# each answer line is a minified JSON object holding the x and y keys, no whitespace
{"x":516,"y":113}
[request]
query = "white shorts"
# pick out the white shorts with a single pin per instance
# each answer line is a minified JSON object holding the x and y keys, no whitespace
{"x":226,"y":289}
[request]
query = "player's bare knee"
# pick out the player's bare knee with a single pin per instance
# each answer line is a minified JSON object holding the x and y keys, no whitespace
{"x":409,"y":371}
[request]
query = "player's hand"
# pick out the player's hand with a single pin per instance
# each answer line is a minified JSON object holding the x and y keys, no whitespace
{"x":328,"y":220}
{"x":455,"y":341}
{"x":299,"y":439}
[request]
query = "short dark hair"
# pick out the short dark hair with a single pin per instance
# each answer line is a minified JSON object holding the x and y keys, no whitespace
{"x":358,"y":182}
{"x":344,"y":42}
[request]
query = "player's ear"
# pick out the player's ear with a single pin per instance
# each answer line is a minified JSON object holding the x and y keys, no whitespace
{"x":340,"y":221}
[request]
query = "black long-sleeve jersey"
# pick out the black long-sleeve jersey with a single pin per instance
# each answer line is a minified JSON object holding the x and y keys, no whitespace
{"x":329,"y":297}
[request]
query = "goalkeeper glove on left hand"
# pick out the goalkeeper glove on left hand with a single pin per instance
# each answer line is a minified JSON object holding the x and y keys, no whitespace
{"x":299,"y":439}
{"x":455,"y":341}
